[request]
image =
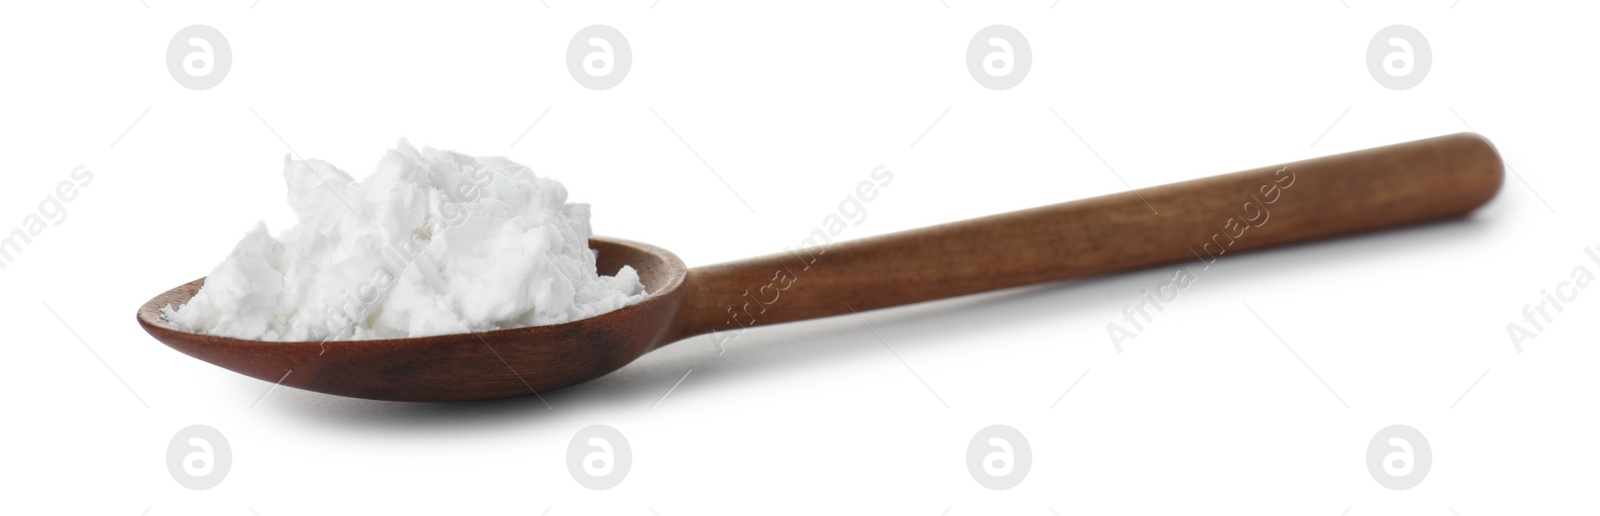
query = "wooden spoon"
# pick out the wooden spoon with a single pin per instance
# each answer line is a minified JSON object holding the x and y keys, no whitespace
{"x":1203,"y":220}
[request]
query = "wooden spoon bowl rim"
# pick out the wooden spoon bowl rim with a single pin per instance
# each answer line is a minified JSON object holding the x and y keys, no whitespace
{"x":625,"y":334}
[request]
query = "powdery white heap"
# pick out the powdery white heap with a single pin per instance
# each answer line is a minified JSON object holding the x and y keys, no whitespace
{"x":434,"y":242}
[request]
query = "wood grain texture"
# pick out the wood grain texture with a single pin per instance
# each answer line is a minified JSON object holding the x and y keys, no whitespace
{"x":1376,"y":188}
{"x":1204,"y":219}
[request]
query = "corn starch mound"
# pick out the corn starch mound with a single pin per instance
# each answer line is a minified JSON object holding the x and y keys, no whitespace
{"x":433,"y":242}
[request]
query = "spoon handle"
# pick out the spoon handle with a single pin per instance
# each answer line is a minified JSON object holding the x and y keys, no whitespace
{"x":1197,"y":221}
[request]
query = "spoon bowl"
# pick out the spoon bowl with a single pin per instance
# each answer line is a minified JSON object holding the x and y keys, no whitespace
{"x":1205,"y":220}
{"x":472,"y":366}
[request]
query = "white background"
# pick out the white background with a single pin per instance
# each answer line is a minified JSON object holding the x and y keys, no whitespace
{"x":791,"y":104}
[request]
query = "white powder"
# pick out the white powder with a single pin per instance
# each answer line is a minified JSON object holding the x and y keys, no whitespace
{"x":434,"y":242}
